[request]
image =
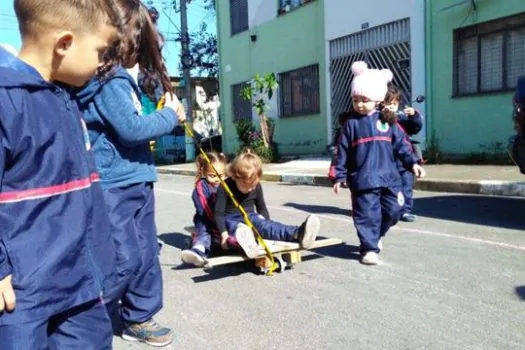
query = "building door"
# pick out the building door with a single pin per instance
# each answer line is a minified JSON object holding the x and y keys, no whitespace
{"x":385,"y":46}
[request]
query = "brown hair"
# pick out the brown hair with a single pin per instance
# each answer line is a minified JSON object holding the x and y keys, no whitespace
{"x":202,"y":165}
{"x":140,"y":43}
{"x":246,"y":166}
{"x":393,"y":94}
{"x":34,"y":16}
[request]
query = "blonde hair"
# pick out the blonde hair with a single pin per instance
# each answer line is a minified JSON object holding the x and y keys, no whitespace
{"x":34,"y":16}
{"x":202,"y":165}
{"x":246,"y":166}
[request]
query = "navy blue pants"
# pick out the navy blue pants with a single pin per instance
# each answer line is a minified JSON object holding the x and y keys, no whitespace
{"x":374,"y":212}
{"x":407,"y":179}
{"x":85,"y":327}
{"x":267,"y":228}
{"x":139,"y":279}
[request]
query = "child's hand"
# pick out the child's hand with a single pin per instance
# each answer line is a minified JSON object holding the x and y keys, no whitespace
{"x":419,"y":171}
{"x":336,"y":187}
{"x":7,"y":295}
{"x":409,"y":111}
{"x":171,"y":101}
{"x":224,"y":240}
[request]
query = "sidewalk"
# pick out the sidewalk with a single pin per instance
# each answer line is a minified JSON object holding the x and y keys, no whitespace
{"x":473,"y":179}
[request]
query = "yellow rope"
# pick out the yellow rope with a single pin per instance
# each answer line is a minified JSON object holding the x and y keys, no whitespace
{"x":237,"y":205}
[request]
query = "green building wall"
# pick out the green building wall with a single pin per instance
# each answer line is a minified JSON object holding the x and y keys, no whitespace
{"x":470,"y":125}
{"x":288,"y":42}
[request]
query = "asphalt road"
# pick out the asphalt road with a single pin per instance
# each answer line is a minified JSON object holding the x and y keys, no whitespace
{"x":454,"y":279}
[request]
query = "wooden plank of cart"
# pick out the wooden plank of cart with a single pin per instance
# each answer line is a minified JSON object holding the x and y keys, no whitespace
{"x":286,"y":254}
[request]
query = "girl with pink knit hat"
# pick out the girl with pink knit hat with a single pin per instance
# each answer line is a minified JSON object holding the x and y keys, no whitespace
{"x":366,"y":160}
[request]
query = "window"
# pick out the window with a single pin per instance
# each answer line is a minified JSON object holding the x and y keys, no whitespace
{"x":286,"y":6}
{"x":242,"y":109}
{"x":489,"y":56}
{"x":238,"y":16}
{"x":299,"y":91}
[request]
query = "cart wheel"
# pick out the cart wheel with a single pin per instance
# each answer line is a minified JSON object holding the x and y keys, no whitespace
{"x":281,"y":264}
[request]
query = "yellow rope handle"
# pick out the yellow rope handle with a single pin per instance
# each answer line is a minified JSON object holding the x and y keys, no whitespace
{"x":247,"y":220}
{"x":237,"y":205}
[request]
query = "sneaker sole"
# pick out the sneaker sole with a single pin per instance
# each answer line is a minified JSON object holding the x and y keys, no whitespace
{"x":189,"y":257}
{"x":138,"y":340}
{"x":247,"y":241}
{"x":371,"y":262}
{"x":312,"y":227}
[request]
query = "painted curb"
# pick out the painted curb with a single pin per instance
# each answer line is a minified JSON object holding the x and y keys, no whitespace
{"x":483,"y":187}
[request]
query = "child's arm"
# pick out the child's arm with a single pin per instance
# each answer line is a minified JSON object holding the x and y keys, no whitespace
{"x":115,"y":103}
{"x":7,"y":294}
{"x":403,"y":151}
{"x":341,"y":158}
{"x":221,"y":199}
{"x":260,"y":204}
{"x":411,"y":121}
{"x":200,"y":197}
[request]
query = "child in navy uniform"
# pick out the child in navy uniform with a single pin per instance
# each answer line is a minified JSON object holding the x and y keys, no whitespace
{"x":245,"y":175}
{"x":56,"y":251}
{"x":120,"y":134}
{"x":411,"y":122}
{"x":206,"y":233}
{"x":366,"y":161}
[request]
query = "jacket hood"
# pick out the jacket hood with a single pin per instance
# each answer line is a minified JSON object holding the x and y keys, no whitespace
{"x":16,"y":73}
{"x":88,"y":91}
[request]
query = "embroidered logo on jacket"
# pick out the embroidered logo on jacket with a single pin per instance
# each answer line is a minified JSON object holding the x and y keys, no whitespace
{"x":383,"y":127}
{"x":400,"y":199}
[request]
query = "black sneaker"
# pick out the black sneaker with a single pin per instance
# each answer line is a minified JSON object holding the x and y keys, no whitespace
{"x":194,"y":257}
{"x":408,"y":217}
{"x":308,"y":231}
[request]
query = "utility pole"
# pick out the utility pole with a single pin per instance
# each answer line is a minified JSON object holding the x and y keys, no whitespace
{"x":186,"y":61}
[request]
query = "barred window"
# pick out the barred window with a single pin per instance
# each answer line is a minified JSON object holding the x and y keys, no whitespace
{"x":299,"y":91}
{"x":489,"y":56}
{"x":241,"y":108}
{"x":238,"y":16}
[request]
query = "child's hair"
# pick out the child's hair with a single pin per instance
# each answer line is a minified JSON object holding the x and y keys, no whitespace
{"x":140,"y":44}
{"x":202,"y":165}
{"x":393,"y":94}
{"x":36,"y":16}
{"x":246,"y":166}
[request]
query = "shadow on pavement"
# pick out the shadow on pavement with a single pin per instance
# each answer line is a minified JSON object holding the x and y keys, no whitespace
{"x":505,"y":212}
{"x":521,"y":292}
{"x":175,"y":239}
{"x":319,"y":209}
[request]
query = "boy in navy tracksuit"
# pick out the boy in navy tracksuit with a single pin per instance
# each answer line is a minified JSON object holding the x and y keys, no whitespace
{"x":120,"y":134}
{"x":56,"y":252}
{"x":366,"y":161}
{"x":516,"y":146}
{"x":411,"y":121}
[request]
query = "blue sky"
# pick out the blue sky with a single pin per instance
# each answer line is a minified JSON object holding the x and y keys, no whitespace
{"x":169,"y":24}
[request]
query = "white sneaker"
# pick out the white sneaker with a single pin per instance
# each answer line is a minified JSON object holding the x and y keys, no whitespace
{"x":380,"y":244}
{"x":194,"y":257}
{"x":308,"y":231}
{"x":246,"y":239}
{"x":370,"y":258}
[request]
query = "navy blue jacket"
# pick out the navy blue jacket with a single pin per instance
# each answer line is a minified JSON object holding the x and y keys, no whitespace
{"x":411,"y":125}
{"x":367,"y":152}
{"x":54,"y":236}
{"x":118,"y":131}
{"x":204,"y":201}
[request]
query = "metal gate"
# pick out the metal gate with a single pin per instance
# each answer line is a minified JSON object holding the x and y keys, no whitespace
{"x":385,"y":46}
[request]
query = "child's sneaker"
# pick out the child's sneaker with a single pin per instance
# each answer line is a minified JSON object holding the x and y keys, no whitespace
{"x":308,"y":230}
{"x":408,"y":217}
{"x":370,"y":258}
{"x":194,"y":257}
{"x":246,"y":240}
{"x":149,"y":332}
